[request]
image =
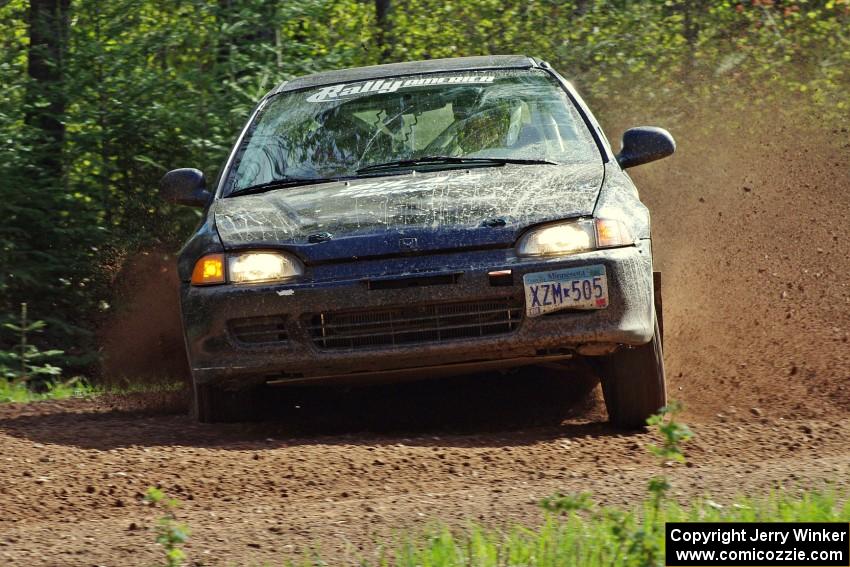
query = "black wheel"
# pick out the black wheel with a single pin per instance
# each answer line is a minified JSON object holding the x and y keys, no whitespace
{"x":633,"y":383}
{"x":214,"y":404}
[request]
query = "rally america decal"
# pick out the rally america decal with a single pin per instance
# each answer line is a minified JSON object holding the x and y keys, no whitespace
{"x":334,"y":92}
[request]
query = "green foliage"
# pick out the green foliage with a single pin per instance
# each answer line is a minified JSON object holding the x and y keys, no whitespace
{"x":25,"y":362}
{"x":609,"y":536}
{"x":639,"y":539}
{"x":170,"y":533}
{"x":672,"y":432}
{"x":578,"y":532}
{"x":566,"y":503}
{"x":645,"y":541}
{"x":19,"y":392}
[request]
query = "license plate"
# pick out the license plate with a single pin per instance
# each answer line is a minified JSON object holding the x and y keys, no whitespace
{"x":574,"y":288}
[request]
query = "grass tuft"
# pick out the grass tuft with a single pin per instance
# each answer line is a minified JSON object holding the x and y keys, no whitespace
{"x":18,"y":392}
{"x":599,"y":536}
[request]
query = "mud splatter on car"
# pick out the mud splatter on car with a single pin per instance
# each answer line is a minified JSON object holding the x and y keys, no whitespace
{"x":409,"y":220}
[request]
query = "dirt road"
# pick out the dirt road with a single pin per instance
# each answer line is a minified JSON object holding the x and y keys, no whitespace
{"x":72,"y":482}
{"x":755,"y":256}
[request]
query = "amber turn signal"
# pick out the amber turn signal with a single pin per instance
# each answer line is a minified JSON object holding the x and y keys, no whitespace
{"x":209,"y":270}
{"x":610,"y":233}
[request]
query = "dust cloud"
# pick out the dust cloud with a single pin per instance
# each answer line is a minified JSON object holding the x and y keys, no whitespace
{"x":750,"y":224}
{"x":750,"y":227}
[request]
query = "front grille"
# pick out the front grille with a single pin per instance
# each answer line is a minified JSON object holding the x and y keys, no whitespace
{"x":259,"y":330}
{"x":414,"y":324}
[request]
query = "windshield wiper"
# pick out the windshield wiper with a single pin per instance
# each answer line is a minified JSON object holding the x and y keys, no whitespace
{"x":283,"y":183}
{"x":404,"y":164}
{"x":449,"y":160}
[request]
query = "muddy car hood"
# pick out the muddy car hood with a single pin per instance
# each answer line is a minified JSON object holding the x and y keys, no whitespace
{"x":475,"y":208}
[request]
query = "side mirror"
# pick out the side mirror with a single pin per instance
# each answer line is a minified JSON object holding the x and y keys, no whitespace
{"x":645,"y":144}
{"x":186,"y":186}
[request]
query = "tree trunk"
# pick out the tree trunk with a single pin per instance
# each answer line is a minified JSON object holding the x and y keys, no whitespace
{"x":243,"y":43}
{"x":384,"y":35}
{"x":692,"y":13}
{"x":581,"y":7}
{"x":45,"y":98}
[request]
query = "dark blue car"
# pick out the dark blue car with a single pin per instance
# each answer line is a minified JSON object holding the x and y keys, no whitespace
{"x":421,"y":219}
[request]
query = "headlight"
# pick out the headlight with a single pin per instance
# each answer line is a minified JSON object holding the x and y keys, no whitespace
{"x":562,"y":238}
{"x":256,"y":267}
{"x":573,"y":237}
{"x":246,"y":267}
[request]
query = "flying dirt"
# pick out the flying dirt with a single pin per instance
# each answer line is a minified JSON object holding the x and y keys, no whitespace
{"x":752,"y":235}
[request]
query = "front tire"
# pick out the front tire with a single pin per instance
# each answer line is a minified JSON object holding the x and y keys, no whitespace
{"x":634,"y":384}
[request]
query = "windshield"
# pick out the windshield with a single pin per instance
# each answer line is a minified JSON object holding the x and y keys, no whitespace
{"x":336,"y":130}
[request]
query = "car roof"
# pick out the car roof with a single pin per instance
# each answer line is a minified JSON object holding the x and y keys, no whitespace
{"x":357,"y":74}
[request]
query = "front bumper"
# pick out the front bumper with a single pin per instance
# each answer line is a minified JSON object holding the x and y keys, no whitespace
{"x":216,"y":355}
